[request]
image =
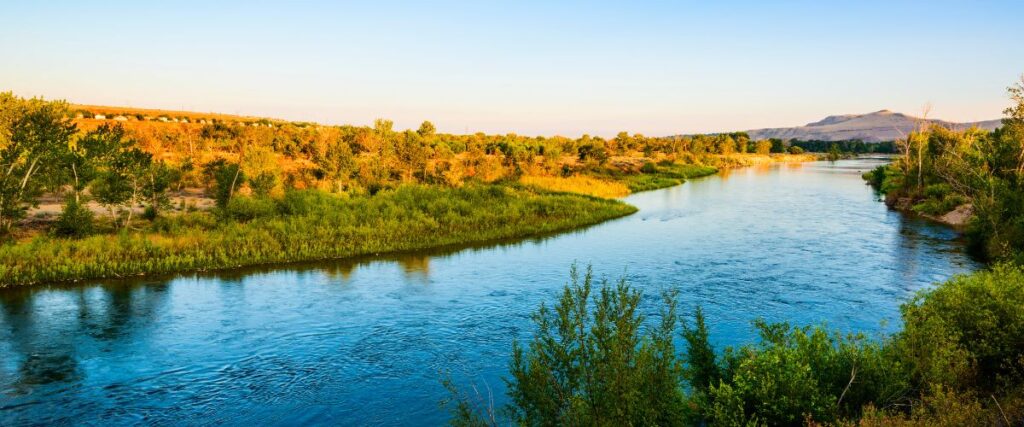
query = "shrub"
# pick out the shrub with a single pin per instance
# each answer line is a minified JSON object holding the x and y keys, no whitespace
{"x":969,"y":331}
{"x":263,"y":184}
{"x":797,"y":372}
{"x":593,"y":363}
{"x":937,"y":191}
{"x":150,"y":213}
{"x":249,"y":208}
{"x":648,"y":167}
{"x":793,"y":149}
{"x":876,"y":176}
{"x":75,"y":220}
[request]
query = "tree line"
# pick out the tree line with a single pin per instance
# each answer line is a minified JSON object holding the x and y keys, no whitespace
{"x":939,"y":169}
{"x":133,"y":166}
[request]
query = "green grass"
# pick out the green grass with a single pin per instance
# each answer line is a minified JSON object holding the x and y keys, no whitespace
{"x":306,"y":226}
{"x":660,"y":176}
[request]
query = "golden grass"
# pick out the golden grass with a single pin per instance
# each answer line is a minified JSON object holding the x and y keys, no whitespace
{"x":578,"y":184}
{"x":751,"y":159}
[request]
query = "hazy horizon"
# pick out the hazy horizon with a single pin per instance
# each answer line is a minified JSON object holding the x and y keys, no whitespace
{"x":527,"y":68}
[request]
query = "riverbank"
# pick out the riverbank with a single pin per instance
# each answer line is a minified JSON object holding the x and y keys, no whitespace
{"x":306,"y":226}
{"x":365,"y":327}
{"x":957,"y":217}
{"x":633,"y":175}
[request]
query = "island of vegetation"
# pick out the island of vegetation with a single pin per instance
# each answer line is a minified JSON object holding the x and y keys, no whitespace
{"x":595,"y":359}
{"x":92,"y":192}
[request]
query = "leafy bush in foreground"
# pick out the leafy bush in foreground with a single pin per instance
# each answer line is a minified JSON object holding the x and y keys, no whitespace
{"x":595,"y":361}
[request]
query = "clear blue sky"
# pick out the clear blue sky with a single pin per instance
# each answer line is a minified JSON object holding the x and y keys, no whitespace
{"x":530,"y":67}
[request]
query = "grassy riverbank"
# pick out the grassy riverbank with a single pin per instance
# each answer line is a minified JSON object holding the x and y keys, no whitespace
{"x":304,"y":226}
{"x":653,"y":177}
{"x":610,"y":183}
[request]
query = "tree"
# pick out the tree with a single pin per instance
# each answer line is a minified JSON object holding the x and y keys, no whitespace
{"x":763,"y":147}
{"x":726,"y":145}
{"x":834,"y":153}
{"x":91,"y":155}
{"x":158,"y":179}
{"x":426,"y":129}
{"x":1013,"y":124}
{"x":226,"y":177}
{"x":335,"y":159}
{"x":34,"y":135}
{"x":122,"y":180}
{"x":412,"y":155}
{"x":778,"y":145}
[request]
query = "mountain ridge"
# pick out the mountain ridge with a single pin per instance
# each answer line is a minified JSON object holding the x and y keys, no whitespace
{"x":878,"y":126}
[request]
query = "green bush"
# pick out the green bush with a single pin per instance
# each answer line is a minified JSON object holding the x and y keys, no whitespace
{"x":246,"y":209}
{"x":75,"y":220}
{"x":648,"y":167}
{"x":150,"y":213}
{"x":876,"y":177}
{"x":940,"y":206}
{"x":795,"y":373}
{"x":592,"y":362}
{"x":969,"y":331}
{"x":937,"y":191}
{"x":263,"y":184}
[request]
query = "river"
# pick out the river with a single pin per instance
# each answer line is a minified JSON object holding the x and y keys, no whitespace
{"x":366,"y":341}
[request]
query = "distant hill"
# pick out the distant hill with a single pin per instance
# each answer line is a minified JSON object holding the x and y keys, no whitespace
{"x":879,"y":126}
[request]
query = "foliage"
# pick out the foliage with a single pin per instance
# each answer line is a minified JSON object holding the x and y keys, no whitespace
{"x":307,"y":225}
{"x":119,"y":167}
{"x":75,"y":220}
{"x":34,"y":136}
{"x":702,"y":371}
{"x":795,"y":373}
{"x":591,"y":363}
{"x":834,"y":153}
{"x":226,"y":177}
{"x":939,"y":169}
{"x":661,"y":176}
{"x":850,"y":146}
{"x":969,"y":332}
{"x":595,"y":361}
{"x":244,"y":209}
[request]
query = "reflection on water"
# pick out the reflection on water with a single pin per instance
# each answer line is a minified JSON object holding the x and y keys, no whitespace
{"x":363,"y":341}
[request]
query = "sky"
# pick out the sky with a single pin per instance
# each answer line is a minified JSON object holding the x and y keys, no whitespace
{"x":527,"y":67}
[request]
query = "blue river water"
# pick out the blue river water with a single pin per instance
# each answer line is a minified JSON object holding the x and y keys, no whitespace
{"x":367,"y":341}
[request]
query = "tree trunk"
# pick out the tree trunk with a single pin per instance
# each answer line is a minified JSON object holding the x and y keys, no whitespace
{"x":234,"y":180}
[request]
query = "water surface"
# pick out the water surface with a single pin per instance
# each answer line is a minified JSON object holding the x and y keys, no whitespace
{"x":364,"y":341}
